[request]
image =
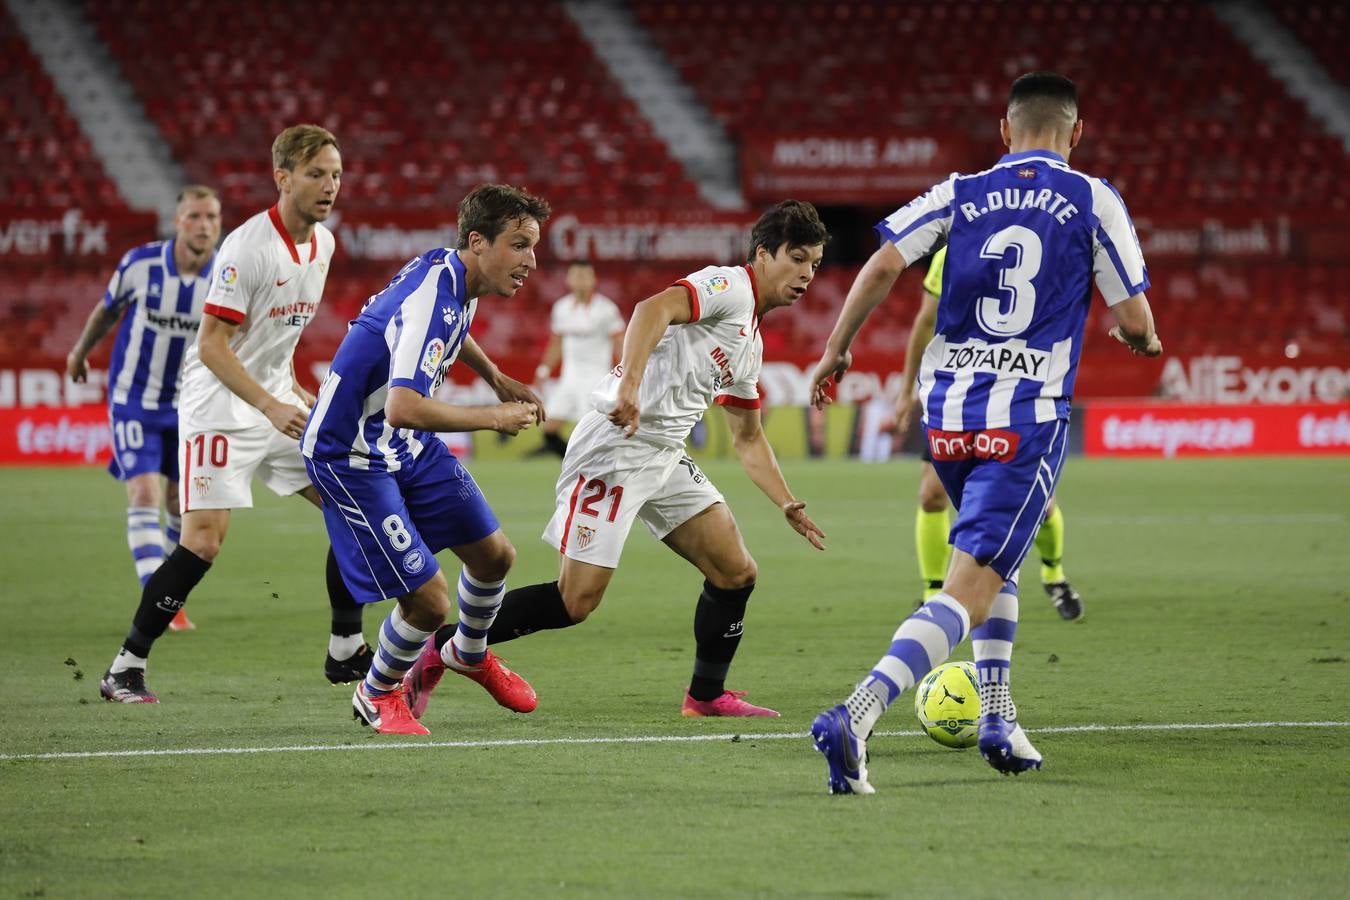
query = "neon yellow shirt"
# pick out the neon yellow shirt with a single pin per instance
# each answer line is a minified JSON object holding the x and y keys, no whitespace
{"x":932,"y":282}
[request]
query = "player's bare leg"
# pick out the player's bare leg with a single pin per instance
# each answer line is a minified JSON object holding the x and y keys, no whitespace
{"x":348,"y":658}
{"x":713,"y":543}
{"x":479,"y":592}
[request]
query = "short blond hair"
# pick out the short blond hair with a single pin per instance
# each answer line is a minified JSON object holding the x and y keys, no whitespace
{"x":197,"y":192}
{"x":298,"y":144}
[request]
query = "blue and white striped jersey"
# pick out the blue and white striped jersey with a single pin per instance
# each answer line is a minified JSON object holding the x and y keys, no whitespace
{"x":164,"y":311}
{"x":1026,"y":240}
{"x":407,"y":335}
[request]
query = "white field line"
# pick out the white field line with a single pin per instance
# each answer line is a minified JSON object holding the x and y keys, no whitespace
{"x":639,"y":739}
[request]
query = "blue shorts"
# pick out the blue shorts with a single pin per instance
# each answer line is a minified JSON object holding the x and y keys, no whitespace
{"x":1000,"y":481}
{"x":386,"y":527}
{"x":145,"y":442}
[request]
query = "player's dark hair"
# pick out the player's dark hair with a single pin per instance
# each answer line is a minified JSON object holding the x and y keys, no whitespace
{"x":792,"y":222}
{"x":1043,"y":99}
{"x":489,"y":208}
{"x":297,"y":145}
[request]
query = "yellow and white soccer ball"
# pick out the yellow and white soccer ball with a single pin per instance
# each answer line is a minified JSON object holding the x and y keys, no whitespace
{"x":948,"y":705}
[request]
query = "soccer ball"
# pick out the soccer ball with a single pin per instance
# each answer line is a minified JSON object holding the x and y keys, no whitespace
{"x":948,"y":705}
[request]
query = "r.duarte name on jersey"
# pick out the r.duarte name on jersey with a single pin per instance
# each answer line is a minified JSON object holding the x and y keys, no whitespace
{"x":1011,"y":358}
{"x":1046,"y":200}
{"x":172,"y":322}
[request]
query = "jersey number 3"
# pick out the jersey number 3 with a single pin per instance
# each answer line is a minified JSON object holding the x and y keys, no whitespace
{"x":1010,"y":314}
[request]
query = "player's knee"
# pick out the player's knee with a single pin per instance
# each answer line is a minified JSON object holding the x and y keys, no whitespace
{"x":932,"y":497}
{"x":494,"y":565}
{"x":205,"y":545}
{"x":142,"y":492}
{"x":580,"y":602}
{"x":429,"y":605}
{"x":743,"y":575}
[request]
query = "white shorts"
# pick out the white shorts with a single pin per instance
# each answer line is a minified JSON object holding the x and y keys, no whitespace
{"x":608,"y":480}
{"x":570,"y":397}
{"x":217,"y":466}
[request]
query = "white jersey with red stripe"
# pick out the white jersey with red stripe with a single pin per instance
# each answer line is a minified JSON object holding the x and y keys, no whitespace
{"x":714,"y":358}
{"x":587,"y":331}
{"x":270,"y":287}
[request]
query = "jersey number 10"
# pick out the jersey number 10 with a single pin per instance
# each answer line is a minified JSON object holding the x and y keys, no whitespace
{"x":1014,"y":279}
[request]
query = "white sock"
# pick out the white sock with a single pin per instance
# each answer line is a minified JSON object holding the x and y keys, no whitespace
{"x":125,"y":659}
{"x":345,"y":646}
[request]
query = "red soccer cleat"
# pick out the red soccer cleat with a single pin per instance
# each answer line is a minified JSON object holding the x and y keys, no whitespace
{"x":505,"y":686}
{"x":729,"y":704}
{"x":387,"y":713}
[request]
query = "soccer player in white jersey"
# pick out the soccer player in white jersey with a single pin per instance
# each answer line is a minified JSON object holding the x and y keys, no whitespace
{"x":394,"y":495}
{"x":588,"y":339}
{"x":931,"y":523}
{"x":1026,"y":240}
{"x":241,"y":409}
{"x":157,"y":292}
{"x":693,"y":345}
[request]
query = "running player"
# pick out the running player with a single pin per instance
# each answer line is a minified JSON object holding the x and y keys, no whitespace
{"x":157,"y":292}
{"x":394,"y":496}
{"x":241,"y":409}
{"x":1027,"y":239}
{"x":931,"y":524}
{"x":588,"y":338}
{"x":693,"y":345}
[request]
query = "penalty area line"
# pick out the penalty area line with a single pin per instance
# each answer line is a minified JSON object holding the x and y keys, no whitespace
{"x":637,"y":739}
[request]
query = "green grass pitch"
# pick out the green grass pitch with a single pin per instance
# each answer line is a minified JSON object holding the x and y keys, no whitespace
{"x":1216,"y":592}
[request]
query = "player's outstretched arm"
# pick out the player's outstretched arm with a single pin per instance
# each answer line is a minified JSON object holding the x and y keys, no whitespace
{"x":507,"y":389}
{"x":920,"y":334}
{"x":871,"y":286}
{"x":760,"y":463}
{"x":101,"y":321}
{"x":213,"y":344}
{"x":552,"y":354}
{"x":650,"y":320}
{"x":1134,"y":326}
{"x":406,"y":408}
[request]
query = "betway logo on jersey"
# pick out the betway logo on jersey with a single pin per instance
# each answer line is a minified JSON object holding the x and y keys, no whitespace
{"x":177,"y":323}
{"x":1226,"y":379}
{"x":1008,"y":358}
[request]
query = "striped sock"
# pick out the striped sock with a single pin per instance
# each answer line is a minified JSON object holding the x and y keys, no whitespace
{"x":173,"y":530}
{"x":479,"y":602}
{"x":400,"y":645}
{"x":993,"y":645}
{"x":921,"y":643}
{"x":145,"y":540}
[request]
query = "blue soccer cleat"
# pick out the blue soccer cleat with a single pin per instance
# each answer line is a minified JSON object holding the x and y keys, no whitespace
{"x":1004,"y":745}
{"x":845,"y":752}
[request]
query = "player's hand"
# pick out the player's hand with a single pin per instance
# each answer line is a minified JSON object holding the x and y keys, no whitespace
{"x":626,"y":413}
{"x":831,"y":365}
{"x":514,"y":416}
{"x":509,"y":390}
{"x":289,"y":420}
{"x":77,"y":368}
{"x":905,"y":405}
{"x":795,"y":511}
{"x":1154,"y":347}
{"x":305,"y":396}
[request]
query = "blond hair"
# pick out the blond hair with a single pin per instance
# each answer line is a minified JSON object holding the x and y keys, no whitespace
{"x":197,"y":192}
{"x":298,"y":144}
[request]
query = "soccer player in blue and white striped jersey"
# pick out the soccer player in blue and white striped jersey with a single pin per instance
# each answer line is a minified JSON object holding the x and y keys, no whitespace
{"x":393,"y":495}
{"x":157,"y":293}
{"x":1026,"y":241}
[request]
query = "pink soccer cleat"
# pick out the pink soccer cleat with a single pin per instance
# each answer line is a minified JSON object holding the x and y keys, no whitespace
{"x":386,"y":713}
{"x":729,"y":704}
{"x":505,"y":686}
{"x":422,"y":679}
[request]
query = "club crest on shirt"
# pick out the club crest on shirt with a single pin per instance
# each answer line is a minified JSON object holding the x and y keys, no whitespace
{"x":715,"y":285}
{"x":431,"y":357}
{"x":449,"y":315}
{"x":584,"y":536}
{"x":414,"y":562}
{"x":202,"y":485}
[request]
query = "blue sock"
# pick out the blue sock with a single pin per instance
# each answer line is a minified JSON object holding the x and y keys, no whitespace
{"x":479,"y":602}
{"x":993,"y":645}
{"x":145,"y":540}
{"x":399,"y":646}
